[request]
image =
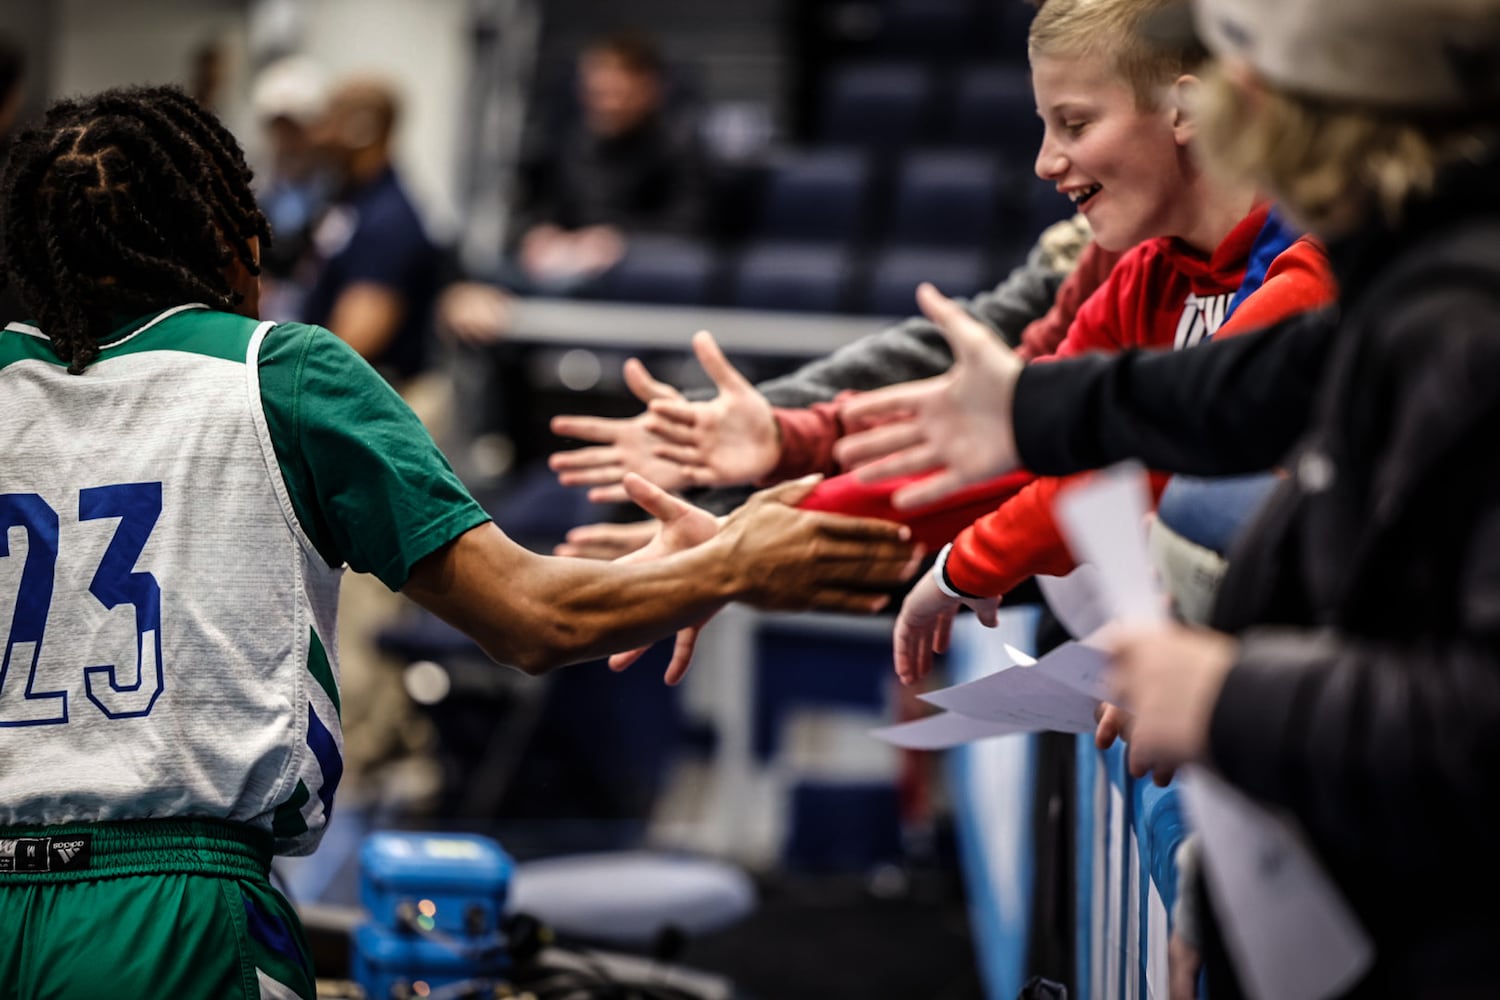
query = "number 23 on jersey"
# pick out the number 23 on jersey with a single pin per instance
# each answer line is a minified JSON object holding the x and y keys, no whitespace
{"x":115,"y":582}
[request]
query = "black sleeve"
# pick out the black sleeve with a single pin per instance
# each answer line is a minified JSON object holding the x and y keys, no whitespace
{"x":1359,"y":735}
{"x":1224,"y":408}
{"x":1382,"y":736}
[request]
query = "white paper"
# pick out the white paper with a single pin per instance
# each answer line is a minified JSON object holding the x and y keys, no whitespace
{"x":1080,"y":666}
{"x":1076,"y":599}
{"x":1291,"y":934}
{"x":1104,"y":522}
{"x":939,"y":732}
{"x":1024,"y":697}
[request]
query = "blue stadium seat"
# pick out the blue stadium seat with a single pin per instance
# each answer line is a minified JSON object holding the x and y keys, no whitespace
{"x":927,"y":28}
{"x":817,"y":196}
{"x":877,"y":106}
{"x":993,"y":108}
{"x":789,"y":276}
{"x":895,"y":274}
{"x":946,"y":199}
{"x":665,"y":269}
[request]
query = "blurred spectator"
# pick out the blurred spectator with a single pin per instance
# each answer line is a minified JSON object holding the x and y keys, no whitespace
{"x":376,"y":277}
{"x":377,"y":270}
{"x":289,"y":97}
{"x":625,"y":164}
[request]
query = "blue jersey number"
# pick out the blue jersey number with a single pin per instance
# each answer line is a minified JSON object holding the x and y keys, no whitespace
{"x":115,"y":582}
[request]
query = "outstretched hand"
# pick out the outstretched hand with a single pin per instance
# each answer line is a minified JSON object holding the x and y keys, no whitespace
{"x":729,"y":440}
{"x":621,"y":445}
{"x":956,"y":425}
{"x":925,"y":626}
{"x":680,"y":525}
{"x":786,"y":559}
{"x":607,"y":540}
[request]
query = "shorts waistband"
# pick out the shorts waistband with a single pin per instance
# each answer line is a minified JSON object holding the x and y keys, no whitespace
{"x":78,"y":852}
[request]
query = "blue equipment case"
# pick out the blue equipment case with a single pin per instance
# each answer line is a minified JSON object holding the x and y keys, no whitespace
{"x":465,"y":879}
{"x":436,"y":902}
{"x":390,"y":964}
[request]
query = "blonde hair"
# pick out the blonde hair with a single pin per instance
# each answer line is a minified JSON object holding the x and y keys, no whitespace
{"x":1329,"y":165}
{"x":1115,"y":30}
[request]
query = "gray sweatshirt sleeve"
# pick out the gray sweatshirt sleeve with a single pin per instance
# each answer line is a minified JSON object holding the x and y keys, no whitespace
{"x":914,"y":348}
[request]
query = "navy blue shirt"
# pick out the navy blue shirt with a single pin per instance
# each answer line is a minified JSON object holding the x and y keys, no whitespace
{"x":373,"y":234}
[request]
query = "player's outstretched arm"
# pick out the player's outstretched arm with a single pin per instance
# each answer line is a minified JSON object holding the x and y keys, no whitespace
{"x":957,"y":425}
{"x":537,"y":612}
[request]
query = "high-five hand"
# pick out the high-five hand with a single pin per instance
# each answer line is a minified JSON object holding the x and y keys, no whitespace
{"x":725,"y":441}
{"x":785,"y":559}
{"x":621,"y":445}
{"x":958,"y":424}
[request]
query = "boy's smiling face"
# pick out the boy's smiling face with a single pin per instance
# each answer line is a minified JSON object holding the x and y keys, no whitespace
{"x":1125,"y":167}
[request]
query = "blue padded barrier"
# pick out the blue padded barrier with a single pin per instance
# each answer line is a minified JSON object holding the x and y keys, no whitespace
{"x":993,"y":791}
{"x":1128,"y":835}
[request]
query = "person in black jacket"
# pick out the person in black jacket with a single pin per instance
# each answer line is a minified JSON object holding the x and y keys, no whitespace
{"x":1352,"y":673}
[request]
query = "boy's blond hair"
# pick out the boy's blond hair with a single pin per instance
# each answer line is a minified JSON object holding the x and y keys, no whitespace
{"x":1330,"y":165}
{"x":1116,"y":30}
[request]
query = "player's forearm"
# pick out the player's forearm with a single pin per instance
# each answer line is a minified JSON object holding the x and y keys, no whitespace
{"x":537,"y":613}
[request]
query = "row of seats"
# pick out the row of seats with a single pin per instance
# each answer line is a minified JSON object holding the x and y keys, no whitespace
{"x":930,"y":198}
{"x":945,"y":29}
{"x":801,"y":277}
{"x":890,"y":106}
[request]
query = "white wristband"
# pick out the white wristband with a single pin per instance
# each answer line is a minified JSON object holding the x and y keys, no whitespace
{"x":940,"y":576}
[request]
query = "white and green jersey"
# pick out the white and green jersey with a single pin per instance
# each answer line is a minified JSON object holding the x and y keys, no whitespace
{"x":171,"y":526}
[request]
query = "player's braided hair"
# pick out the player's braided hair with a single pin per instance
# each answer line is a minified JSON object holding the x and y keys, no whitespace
{"x":115,"y":205}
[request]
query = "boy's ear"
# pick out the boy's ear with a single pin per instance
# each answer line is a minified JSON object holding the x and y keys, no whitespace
{"x":1182,"y":102}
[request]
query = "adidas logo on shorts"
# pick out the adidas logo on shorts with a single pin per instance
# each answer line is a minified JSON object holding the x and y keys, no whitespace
{"x":67,"y":849}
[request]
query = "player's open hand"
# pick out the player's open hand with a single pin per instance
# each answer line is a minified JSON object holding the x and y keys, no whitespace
{"x":787,"y":559}
{"x":956,"y":425}
{"x":678,"y":525}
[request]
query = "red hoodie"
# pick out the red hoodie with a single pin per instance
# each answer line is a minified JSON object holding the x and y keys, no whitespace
{"x":1170,"y":297}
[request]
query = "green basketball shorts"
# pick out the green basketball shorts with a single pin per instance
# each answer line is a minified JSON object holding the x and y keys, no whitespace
{"x":180,"y":909}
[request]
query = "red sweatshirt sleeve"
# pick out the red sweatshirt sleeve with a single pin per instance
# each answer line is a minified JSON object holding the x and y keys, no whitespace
{"x":807,"y":439}
{"x":1042,"y":336}
{"x":1019,"y":540}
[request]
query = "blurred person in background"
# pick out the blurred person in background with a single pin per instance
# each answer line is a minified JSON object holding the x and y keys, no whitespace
{"x":293,"y":184}
{"x":625,"y":164}
{"x":374,"y":275}
{"x":377,"y":269}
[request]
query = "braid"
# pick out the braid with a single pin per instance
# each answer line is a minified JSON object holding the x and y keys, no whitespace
{"x":126,"y":202}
